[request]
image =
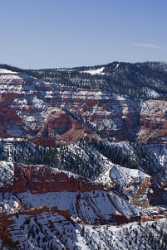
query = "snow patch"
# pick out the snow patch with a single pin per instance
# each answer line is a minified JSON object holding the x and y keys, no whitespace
{"x":98,"y":71}
{"x":6,"y":71}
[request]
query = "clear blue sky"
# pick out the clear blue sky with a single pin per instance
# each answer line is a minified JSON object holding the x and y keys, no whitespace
{"x":55,"y":33}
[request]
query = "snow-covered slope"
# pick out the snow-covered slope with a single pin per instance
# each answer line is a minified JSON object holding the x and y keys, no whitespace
{"x":83,"y":157}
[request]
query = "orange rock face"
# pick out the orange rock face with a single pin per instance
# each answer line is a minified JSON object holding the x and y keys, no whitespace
{"x":41,"y":179}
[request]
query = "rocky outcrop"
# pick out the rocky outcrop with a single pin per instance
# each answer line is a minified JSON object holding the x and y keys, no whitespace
{"x":153,"y":120}
{"x":50,"y":113}
{"x":42,"y":179}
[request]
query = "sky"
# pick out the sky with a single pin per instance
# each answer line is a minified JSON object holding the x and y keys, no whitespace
{"x":67,"y":33}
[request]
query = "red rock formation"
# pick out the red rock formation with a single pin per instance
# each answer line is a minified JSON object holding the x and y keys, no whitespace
{"x":42,"y":179}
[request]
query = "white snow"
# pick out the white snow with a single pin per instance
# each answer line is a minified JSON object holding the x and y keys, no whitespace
{"x":92,"y":205}
{"x":6,"y":71}
{"x":38,"y":103}
{"x":98,"y":71}
{"x":9,"y":205}
{"x":6,"y":173}
{"x":117,"y":66}
{"x":125,"y":176}
{"x":12,"y":139}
